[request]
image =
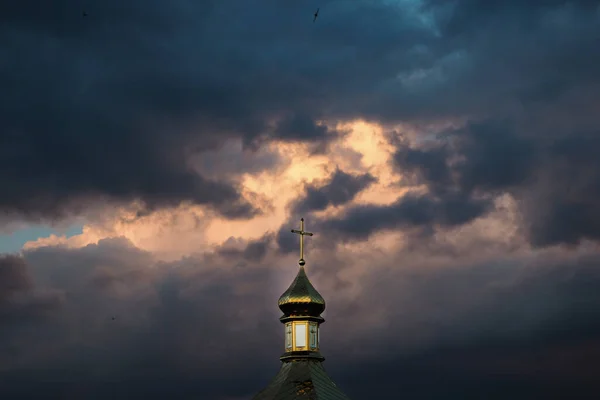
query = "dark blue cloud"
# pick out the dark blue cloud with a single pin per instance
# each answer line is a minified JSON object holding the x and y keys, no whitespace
{"x":206,"y":327}
{"x":109,"y":105}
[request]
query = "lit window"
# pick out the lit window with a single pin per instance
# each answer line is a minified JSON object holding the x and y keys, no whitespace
{"x":301,"y":335}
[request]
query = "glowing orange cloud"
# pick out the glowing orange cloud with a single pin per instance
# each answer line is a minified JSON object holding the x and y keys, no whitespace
{"x":173,"y":233}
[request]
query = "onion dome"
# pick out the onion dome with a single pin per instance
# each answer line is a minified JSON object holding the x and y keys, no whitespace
{"x":301,"y":298}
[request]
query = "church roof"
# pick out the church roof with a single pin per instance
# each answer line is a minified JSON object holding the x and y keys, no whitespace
{"x":301,"y":379}
{"x":301,"y":292}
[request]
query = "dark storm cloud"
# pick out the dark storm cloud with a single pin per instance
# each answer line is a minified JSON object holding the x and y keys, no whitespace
{"x":569,"y":211}
{"x":203,"y":327}
{"x":254,"y":250}
{"x":78,"y":98}
{"x":19,"y":301}
{"x":556,"y":179}
{"x":107,"y":104}
{"x":463,"y":169}
{"x":494,"y":59}
{"x":428,"y":165}
{"x":174,"y":322}
{"x":14,"y":275}
{"x":533,"y":66}
{"x":490,"y":155}
{"x":419,"y":215}
{"x":286,"y":241}
{"x":463,"y":17}
{"x":422,"y":212}
{"x":340,"y":189}
{"x":300,"y":127}
{"x":481,"y":330}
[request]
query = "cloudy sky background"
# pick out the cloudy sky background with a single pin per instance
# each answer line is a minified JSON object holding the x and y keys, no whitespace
{"x":153,"y":157}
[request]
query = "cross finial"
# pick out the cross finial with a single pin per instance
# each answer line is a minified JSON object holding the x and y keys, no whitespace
{"x":302,"y":233}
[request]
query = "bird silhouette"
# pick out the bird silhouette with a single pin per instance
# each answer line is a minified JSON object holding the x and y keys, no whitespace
{"x":84,"y":14}
{"x":316,"y":15}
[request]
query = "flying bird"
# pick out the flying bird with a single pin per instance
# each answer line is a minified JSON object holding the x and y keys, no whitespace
{"x":316,"y":15}
{"x":84,"y":14}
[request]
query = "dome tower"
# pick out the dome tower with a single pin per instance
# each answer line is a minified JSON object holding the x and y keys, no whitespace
{"x":302,"y":375}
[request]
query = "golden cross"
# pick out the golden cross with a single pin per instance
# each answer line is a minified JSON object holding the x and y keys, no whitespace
{"x":302,"y":233}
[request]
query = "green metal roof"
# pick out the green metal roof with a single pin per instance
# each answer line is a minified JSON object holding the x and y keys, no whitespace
{"x":301,"y":379}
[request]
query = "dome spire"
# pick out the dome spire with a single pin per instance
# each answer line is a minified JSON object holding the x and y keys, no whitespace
{"x":302,"y":233}
{"x":301,"y":299}
{"x":302,"y":306}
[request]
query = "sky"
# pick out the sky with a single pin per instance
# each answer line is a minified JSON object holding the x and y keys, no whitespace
{"x":155,"y":155}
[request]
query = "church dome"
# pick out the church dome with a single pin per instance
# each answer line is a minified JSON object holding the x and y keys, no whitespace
{"x":301,"y":298}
